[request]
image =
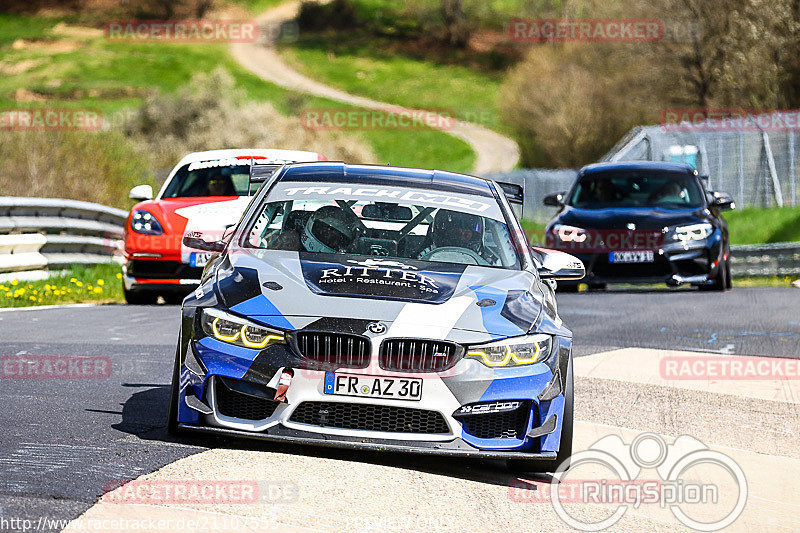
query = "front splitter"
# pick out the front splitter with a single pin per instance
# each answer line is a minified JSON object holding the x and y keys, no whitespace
{"x":409,"y":447}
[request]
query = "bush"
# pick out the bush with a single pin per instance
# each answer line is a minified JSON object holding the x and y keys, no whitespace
{"x":92,"y":166}
{"x":338,"y":14}
{"x":210,"y":113}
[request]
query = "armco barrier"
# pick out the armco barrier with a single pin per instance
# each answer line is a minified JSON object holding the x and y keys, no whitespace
{"x":779,"y":259}
{"x":38,"y":233}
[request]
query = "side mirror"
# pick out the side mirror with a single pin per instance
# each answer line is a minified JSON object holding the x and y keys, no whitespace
{"x":554,"y":200}
{"x":195,"y":240}
{"x":559,"y":265}
{"x":721,"y":200}
{"x":141,"y":192}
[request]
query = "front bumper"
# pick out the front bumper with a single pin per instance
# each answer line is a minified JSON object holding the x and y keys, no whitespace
{"x":160,"y":274}
{"x":535,"y":426}
{"x":696,"y":263}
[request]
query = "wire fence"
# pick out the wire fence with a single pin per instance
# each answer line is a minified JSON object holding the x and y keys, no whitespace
{"x":755,"y":160}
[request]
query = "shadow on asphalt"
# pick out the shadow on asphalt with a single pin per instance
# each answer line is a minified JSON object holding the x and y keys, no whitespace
{"x":144,"y":415}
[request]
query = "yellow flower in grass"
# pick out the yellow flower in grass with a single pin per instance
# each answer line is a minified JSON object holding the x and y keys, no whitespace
{"x":119,"y":275}
{"x":14,"y":282}
{"x":101,"y":282}
{"x":98,"y":290}
{"x":79,"y":283}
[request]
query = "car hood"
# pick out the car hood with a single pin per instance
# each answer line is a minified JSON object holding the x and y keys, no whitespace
{"x":645,"y":218}
{"x":291,"y":290}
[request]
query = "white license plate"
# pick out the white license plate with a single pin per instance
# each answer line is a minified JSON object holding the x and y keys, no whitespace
{"x":372,"y":387}
{"x":643,"y":256}
{"x":199,"y":259}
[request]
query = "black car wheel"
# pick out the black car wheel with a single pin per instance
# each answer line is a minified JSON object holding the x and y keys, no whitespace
{"x":728,"y":278}
{"x":172,"y":412}
{"x":720,"y":282}
{"x":140,"y":297}
{"x":565,"y":448}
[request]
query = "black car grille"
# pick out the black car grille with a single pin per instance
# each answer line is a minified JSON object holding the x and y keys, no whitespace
{"x":238,"y":405}
{"x":370,"y":417}
{"x":414,"y":355}
{"x":504,"y":425}
{"x":140,"y":268}
{"x":328,"y":350}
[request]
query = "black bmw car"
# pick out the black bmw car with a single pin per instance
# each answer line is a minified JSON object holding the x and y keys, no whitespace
{"x":643,"y":222}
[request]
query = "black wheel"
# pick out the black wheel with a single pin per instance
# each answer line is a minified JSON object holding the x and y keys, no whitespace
{"x":567,"y":287}
{"x":172,"y":411}
{"x":720,"y":282}
{"x":140,"y":297}
{"x":728,"y":278}
{"x":565,"y":448}
{"x":597,"y":286}
{"x":174,"y":299}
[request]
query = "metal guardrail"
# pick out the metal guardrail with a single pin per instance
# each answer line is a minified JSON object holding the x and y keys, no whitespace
{"x":779,"y":259}
{"x":41,"y":233}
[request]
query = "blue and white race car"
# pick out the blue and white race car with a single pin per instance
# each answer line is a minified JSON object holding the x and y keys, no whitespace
{"x":379,"y":308}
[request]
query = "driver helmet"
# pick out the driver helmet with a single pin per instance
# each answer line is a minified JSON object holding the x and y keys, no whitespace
{"x":328,"y":230}
{"x":453,"y":228}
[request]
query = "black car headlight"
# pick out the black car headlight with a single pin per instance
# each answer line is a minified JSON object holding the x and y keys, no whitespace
{"x":236,"y":330}
{"x":514,"y":351}
{"x":146,"y":223}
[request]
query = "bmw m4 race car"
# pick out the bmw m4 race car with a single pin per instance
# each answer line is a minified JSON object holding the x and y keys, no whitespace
{"x":205,"y":191}
{"x":382,"y":308}
{"x":643,"y":222}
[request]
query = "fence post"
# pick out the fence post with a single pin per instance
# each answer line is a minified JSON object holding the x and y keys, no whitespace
{"x":776,"y":184}
{"x":792,"y":167}
{"x":741,"y":168}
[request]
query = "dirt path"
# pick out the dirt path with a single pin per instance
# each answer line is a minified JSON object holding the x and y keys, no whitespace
{"x":494,"y":152}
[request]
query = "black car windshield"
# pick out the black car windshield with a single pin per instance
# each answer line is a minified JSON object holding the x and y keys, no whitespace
{"x":203,"y":179}
{"x":636,"y":189}
{"x":389,"y":223}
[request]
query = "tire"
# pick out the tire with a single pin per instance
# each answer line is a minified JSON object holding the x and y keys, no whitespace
{"x":172,"y":411}
{"x":140,"y":297}
{"x":597,"y":286}
{"x":174,"y":299}
{"x":728,"y":278}
{"x":720,"y":282}
{"x":565,"y":447}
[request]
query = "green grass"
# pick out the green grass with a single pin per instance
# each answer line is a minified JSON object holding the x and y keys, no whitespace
{"x":753,"y":225}
{"x":113,"y":76}
{"x":98,"y":284}
{"x":369,"y":66}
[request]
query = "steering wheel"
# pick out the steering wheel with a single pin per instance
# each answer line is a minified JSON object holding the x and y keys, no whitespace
{"x":454,"y":254}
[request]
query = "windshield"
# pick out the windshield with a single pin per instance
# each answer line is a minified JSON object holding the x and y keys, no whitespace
{"x":201,"y":180}
{"x":637,"y":189}
{"x":467,"y":232}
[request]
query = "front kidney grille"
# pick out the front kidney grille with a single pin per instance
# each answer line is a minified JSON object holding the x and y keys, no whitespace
{"x":418,"y":355}
{"x":328,"y":350}
{"x":366,"y":417}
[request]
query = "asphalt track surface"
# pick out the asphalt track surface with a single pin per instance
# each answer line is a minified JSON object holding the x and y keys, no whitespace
{"x":63,"y":442}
